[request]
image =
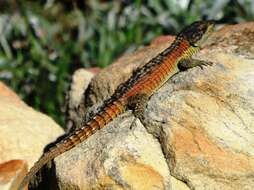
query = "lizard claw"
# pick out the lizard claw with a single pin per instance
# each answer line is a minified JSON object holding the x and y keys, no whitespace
{"x":208,"y":63}
{"x":205,"y":63}
{"x":201,"y":67}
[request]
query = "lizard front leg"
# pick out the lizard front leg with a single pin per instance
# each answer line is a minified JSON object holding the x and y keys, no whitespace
{"x":186,"y":64}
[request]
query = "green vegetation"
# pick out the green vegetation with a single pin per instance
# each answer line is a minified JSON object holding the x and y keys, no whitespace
{"x":43,"y":42}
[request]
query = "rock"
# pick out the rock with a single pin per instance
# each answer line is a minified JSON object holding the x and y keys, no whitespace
{"x":119,"y":162}
{"x":75,"y":97}
{"x":197,"y":132}
{"x":11,"y":174}
{"x":205,"y":124}
{"x":24,"y":132}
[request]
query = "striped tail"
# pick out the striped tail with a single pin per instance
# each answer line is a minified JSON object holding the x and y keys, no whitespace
{"x":108,"y":113}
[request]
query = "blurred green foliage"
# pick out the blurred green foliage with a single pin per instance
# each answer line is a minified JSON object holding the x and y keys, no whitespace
{"x":43,"y":42}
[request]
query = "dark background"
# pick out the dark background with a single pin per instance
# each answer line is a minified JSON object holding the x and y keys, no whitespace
{"x":43,"y":42}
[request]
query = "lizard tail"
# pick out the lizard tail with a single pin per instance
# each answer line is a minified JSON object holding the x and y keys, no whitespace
{"x":41,"y":162}
{"x":99,"y":121}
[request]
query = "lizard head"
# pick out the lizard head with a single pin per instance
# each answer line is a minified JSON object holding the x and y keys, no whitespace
{"x":197,"y":32}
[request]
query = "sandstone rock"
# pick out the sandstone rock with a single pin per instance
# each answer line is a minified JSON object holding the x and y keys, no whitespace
{"x":24,"y":132}
{"x":197,"y":133}
{"x":11,"y":174}
{"x":205,"y":124}
{"x":75,"y":97}
{"x":120,"y":162}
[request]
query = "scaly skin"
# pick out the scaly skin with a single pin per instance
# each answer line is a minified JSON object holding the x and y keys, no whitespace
{"x":144,"y":81}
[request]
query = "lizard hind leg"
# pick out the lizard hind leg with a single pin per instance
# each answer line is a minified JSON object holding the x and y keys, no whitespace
{"x":138,"y":104}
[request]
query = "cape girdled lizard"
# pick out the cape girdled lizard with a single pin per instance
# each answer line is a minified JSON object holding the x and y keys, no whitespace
{"x":134,"y":93}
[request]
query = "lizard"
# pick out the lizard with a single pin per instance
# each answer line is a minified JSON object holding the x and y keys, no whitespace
{"x":136,"y":91}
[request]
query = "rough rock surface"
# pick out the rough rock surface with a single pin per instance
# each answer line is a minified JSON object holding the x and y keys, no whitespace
{"x":198,"y":131}
{"x":11,"y":174}
{"x":75,"y":97}
{"x":24,"y":132}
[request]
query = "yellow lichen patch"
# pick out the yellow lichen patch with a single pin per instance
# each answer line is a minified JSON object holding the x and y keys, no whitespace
{"x":141,"y":176}
{"x":105,"y":182}
{"x":192,"y":145}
